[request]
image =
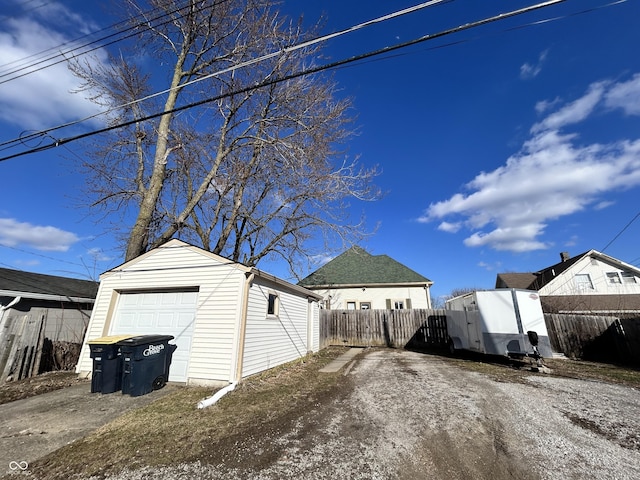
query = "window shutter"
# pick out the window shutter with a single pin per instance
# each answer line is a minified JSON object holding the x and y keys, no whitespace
{"x":388,"y":304}
{"x":408,"y":304}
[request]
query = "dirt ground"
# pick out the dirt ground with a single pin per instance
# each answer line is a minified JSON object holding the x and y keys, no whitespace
{"x":397,"y":414}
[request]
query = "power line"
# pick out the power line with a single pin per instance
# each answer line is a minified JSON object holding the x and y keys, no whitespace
{"x":143,"y":22}
{"x":309,"y":71}
{"x":233,"y":68}
{"x":621,"y":231}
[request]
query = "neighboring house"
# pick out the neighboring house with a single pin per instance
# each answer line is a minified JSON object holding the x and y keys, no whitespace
{"x":589,"y":283}
{"x":229,"y":320}
{"x":37,"y":310}
{"x":358,"y":280}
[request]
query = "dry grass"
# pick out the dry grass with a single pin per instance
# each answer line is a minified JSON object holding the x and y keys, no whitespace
{"x":43,"y":383}
{"x":172,"y":430}
{"x":504,"y":370}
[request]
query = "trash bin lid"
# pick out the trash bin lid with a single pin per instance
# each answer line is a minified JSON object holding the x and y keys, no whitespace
{"x":109,"y":339}
{"x":134,"y":341}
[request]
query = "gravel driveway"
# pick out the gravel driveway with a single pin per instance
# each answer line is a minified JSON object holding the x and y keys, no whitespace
{"x":407,"y":415}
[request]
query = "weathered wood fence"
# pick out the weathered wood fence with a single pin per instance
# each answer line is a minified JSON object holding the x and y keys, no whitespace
{"x":391,"y":328}
{"x":605,"y":339}
{"x":597,"y":338}
{"x":40,"y":339}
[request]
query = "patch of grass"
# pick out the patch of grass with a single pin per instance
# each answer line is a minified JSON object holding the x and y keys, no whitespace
{"x":603,"y":372}
{"x":172,"y":430}
{"x":37,"y":385}
{"x":505,"y":370}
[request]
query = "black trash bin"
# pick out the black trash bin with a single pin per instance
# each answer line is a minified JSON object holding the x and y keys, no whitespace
{"x":107,"y":363}
{"x":145,"y":363}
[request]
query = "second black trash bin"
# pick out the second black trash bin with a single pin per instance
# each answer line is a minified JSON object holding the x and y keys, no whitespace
{"x":106,"y":374}
{"x":145,"y":363}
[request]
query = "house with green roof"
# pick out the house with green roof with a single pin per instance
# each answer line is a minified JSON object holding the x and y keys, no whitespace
{"x":358,"y":280}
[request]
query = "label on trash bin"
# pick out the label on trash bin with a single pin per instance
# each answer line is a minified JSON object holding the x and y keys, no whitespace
{"x":153,"y":350}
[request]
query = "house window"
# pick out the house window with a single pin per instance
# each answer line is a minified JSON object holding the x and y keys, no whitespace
{"x":365,"y":305}
{"x":351,"y":305}
{"x":628,"y":277}
{"x":273,"y":305}
{"x":583,"y":282}
{"x":398,"y":304}
{"x":613,"y":277}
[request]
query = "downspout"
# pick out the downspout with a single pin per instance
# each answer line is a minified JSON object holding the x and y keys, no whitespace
{"x":238,"y":371}
{"x":7,"y":307}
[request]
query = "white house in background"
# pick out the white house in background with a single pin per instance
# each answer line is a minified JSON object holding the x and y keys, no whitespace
{"x":357,"y":280}
{"x":229,"y":320}
{"x":589,"y":283}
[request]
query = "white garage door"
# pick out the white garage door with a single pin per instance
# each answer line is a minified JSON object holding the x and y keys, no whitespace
{"x":160,"y":313}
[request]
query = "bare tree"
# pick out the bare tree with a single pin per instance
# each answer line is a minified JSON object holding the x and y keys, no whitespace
{"x":258,"y":171}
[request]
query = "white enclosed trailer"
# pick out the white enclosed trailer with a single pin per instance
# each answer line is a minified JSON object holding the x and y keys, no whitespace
{"x":497,"y":322}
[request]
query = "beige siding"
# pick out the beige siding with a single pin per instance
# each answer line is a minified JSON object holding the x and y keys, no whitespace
{"x":377,"y":296}
{"x":217,"y":313}
{"x":274,"y":340}
{"x":596,"y":270}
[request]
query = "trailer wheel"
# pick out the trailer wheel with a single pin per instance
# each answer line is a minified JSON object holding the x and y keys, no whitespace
{"x":452,"y":347}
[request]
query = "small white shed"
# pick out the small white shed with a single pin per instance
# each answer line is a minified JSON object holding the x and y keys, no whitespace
{"x":229,"y":320}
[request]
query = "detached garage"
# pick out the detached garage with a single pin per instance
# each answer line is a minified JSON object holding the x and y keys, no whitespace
{"x":229,"y":321}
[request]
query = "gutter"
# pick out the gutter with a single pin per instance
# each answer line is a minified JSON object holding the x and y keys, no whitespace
{"x":46,"y":296}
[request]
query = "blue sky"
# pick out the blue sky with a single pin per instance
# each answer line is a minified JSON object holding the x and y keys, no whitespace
{"x":500,"y":146}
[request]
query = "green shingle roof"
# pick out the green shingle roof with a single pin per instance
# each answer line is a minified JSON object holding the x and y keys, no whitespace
{"x":357,"y":267}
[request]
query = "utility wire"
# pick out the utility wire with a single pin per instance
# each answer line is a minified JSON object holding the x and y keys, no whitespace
{"x":621,"y":231}
{"x":147,"y":24}
{"x":308,"y":71}
{"x":233,"y":68}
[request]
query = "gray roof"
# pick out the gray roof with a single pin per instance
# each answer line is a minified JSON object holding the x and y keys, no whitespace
{"x":37,"y":285}
{"x":357,"y":267}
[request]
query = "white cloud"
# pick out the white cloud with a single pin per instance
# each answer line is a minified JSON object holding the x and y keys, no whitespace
{"x":449,"y":227}
{"x":550,"y":177}
{"x":544,"y":105}
{"x":625,"y":95}
{"x":320,"y":259}
{"x":42,"y":98}
{"x":98,"y":255}
{"x":46,"y":238}
{"x":528,"y":70}
{"x":575,"y":112}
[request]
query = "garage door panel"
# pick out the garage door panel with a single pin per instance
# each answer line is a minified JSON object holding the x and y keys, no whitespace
{"x":162,"y":313}
{"x":189,"y":298}
{"x":169,"y":299}
{"x":185,"y":319}
{"x":166,"y":319}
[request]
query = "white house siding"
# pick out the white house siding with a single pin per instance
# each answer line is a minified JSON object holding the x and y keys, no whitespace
{"x":377,"y":296}
{"x":596,"y":269}
{"x":273,"y":340}
{"x":175,"y":267}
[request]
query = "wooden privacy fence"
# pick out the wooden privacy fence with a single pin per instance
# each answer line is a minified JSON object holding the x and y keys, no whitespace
{"x":598,"y":338}
{"x":391,"y":328}
{"x":604,"y":339}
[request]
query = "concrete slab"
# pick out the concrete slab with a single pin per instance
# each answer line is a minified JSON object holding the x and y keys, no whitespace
{"x":341,"y":361}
